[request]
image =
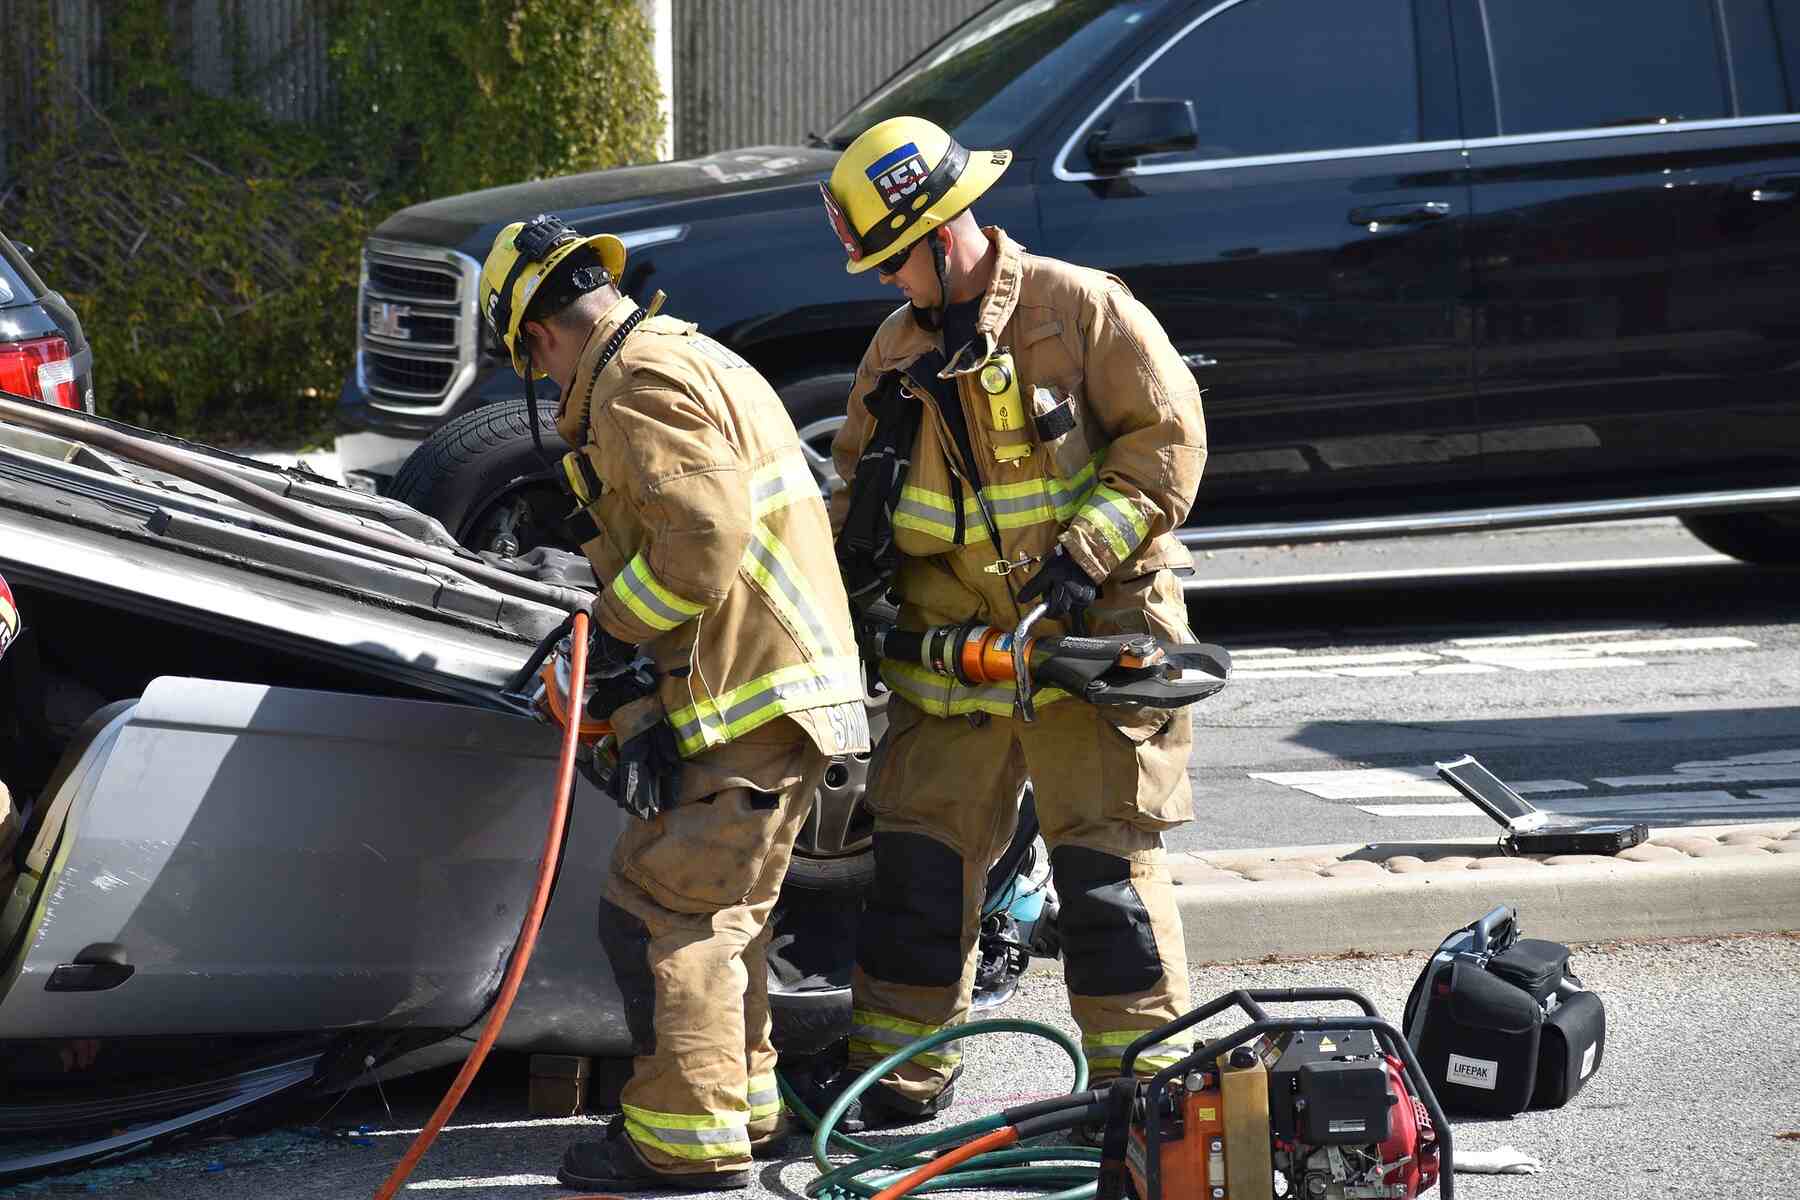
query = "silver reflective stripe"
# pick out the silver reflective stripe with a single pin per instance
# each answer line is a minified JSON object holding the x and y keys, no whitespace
{"x":816,"y":679}
{"x":736,"y":1135}
{"x":770,"y":559}
{"x":768,"y":1098}
{"x":766,"y":489}
{"x":925,"y":510}
{"x":886,"y":1041}
{"x":779,"y":484}
{"x":1162,"y":1053}
{"x":648,"y":598}
{"x":1119,"y":516}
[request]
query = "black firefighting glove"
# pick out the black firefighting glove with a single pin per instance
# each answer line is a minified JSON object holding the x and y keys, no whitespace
{"x":1063,"y":586}
{"x":616,"y":674}
{"x":647,"y":777}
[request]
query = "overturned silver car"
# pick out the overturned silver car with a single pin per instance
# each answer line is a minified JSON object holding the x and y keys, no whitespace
{"x":273,"y":823}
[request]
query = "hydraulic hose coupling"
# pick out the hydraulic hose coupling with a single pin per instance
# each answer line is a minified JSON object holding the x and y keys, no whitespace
{"x":970,"y":653}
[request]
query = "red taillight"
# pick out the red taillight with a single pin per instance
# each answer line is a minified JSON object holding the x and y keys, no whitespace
{"x":40,"y":369}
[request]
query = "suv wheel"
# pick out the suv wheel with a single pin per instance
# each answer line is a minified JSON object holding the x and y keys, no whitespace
{"x":1769,"y":539}
{"x":482,"y":477}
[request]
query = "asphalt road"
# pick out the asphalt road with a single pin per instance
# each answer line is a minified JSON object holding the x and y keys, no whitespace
{"x":1693,"y":1097}
{"x":1607,"y":671}
{"x":1663,"y":690}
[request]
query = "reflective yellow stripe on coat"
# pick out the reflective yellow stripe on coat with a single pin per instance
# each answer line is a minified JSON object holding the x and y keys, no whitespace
{"x":835,"y":675}
{"x":715,"y":721}
{"x":1013,"y":506}
{"x":637,"y":588}
{"x":1116,"y":519}
{"x":942,"y":696}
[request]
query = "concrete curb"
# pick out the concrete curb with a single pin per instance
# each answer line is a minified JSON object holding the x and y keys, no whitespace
{"x":1401,"y":897}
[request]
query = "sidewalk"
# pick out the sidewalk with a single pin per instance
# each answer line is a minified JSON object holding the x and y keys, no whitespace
{"x":1398,"y":897}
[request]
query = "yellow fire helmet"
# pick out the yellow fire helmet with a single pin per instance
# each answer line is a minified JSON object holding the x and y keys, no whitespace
{"x":899,"y":181}
{"x":523,"y":256}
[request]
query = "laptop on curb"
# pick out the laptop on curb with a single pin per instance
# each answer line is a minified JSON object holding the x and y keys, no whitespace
{"x":1529,"y":831}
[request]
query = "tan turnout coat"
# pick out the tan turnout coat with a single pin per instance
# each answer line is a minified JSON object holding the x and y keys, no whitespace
{"x":1111,"y":490}
{"x":714,"y":550}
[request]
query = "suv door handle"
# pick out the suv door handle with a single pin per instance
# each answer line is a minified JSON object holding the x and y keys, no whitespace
{"x":1412,"y":213}
{"x":1774,"y":189}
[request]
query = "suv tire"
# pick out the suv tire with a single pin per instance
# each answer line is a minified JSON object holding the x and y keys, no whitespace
{"x":482,"y":477}
{"x":1770,"y":539}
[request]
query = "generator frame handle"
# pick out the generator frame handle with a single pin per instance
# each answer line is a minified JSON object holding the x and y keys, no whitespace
{"x":1250,"y":1000}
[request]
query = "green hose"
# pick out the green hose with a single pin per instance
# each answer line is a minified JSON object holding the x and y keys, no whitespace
{"x":1014,"y":1169}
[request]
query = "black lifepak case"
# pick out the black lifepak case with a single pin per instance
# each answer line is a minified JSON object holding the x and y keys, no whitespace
{"x":1479,"y":1042}
{"x":1573,"y":1045}
{"x":1499,"y":1023}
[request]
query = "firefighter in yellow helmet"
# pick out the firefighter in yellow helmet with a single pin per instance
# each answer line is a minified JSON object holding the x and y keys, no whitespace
{"x":1055,"y":441}
{"x":705,"y":526}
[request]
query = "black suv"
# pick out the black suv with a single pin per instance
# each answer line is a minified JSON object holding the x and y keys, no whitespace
{"x":43,"y":353}
{"x":1439,"y":264}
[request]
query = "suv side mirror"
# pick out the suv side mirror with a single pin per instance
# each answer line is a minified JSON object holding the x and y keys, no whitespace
{"x":1140,"y":127}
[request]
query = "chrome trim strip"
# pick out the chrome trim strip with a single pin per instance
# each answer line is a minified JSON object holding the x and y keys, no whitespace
{"x":1576,"y":135}
{"x":1425,"y":576}
{"x":1476,"y":519}
{"x":1263,"y":160}
{"x":1061,"y":170}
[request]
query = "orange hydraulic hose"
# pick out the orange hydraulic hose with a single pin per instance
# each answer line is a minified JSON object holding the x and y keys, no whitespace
{"x":1004,"y":1136}
{"x":534,"y":918}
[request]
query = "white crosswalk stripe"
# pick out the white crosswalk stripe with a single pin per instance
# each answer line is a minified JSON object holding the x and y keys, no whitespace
{"x":1392,"y":783}
{"x":1414,"y":792}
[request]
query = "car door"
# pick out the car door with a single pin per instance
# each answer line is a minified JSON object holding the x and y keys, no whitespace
{"x":1305,"y":251}
{"x":232,"y":858}
{"x":1621,"y":256}
{"x":1734,"y":295}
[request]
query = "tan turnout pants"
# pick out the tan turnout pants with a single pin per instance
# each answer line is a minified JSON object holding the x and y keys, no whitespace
{"x":944,"y":790}
{"x":684,"y":921}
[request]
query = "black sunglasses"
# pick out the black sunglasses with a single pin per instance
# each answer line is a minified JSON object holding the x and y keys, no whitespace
{"x":893,"y":263}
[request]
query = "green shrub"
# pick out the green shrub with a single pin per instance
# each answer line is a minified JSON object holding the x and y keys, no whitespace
{"x":464,"y":94}
{"x":212,"y":252}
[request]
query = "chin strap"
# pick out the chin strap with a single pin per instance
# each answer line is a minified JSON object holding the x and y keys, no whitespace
{"x":940,"y":262}
{"x":537,"y":435}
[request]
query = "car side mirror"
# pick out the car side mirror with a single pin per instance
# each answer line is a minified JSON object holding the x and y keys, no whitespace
{"x":25,"y":249}
{"x":1140,"y":127}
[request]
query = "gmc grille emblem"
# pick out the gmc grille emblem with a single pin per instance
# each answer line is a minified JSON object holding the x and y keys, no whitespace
{"x":385,"y":320}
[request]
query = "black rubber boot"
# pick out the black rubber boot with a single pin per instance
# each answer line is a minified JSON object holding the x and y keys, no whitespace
{"x":614,"y":1165}
{"x":879,"y":1107}
{"x":774,"y":1145}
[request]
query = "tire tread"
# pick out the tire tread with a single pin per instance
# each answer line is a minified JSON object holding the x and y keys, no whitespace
{"x":460,"y":442}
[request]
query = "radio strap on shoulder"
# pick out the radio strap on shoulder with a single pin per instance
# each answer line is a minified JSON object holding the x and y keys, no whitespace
{"x":925,"y":372}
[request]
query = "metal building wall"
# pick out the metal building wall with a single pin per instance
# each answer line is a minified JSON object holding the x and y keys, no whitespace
{"x":759,"y":71}
{"x":284,"y":64}
{"x":283,"y":61}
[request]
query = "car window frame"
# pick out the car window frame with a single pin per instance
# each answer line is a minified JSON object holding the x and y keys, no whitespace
{"x":1723,"y":44}
{"x":1060,"y":164}
{"x":1061,"y":169}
